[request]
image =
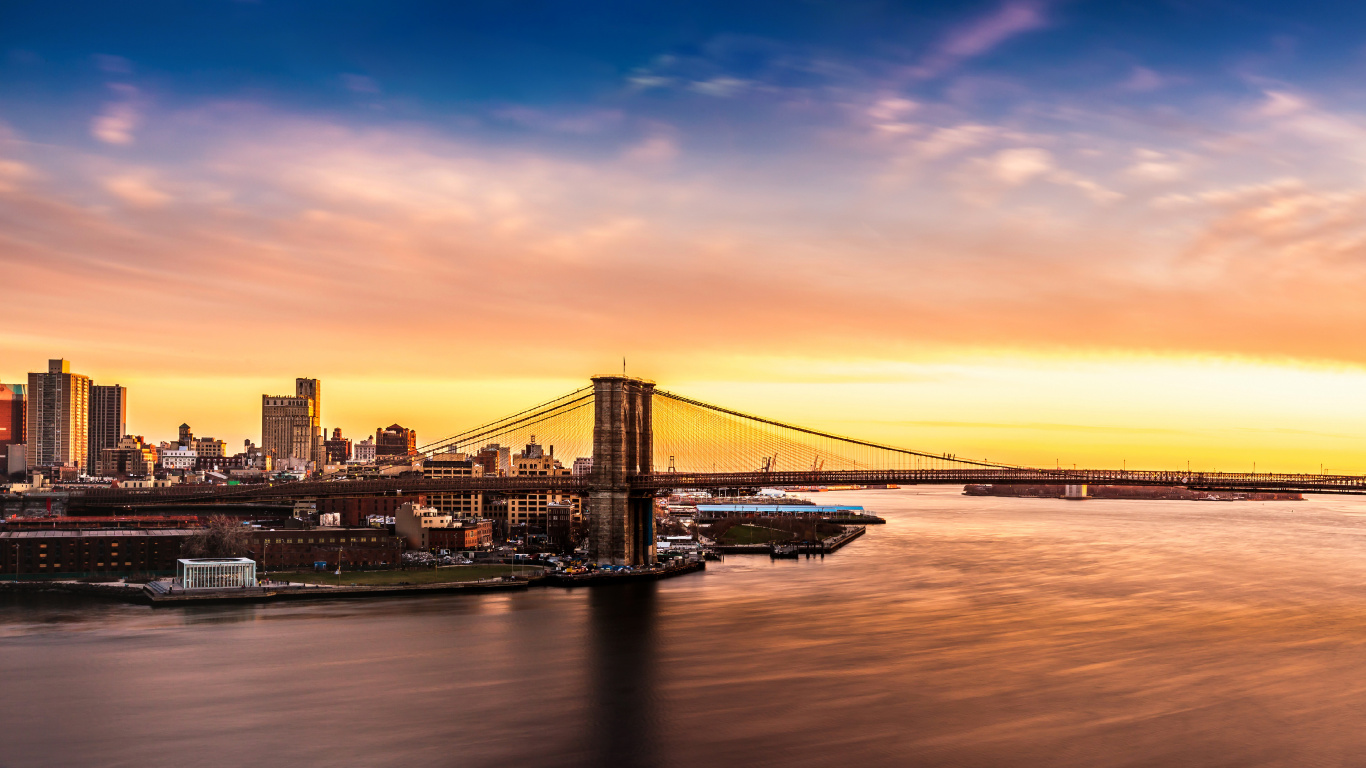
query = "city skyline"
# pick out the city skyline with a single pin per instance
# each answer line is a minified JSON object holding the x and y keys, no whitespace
{"x":1027,"y":231}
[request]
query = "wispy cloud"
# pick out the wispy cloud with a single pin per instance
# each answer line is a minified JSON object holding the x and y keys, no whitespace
{"x":982,"y":35}
{"x":116,"y":123}
{"x":359,"y":83}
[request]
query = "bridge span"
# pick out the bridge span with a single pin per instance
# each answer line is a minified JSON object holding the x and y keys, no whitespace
{"x":625,"y":423}
{"x":660,"y":482}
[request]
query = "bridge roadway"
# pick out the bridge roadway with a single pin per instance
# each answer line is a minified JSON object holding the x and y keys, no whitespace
{"x":662,"y":481}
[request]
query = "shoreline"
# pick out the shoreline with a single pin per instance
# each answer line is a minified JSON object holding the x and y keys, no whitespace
{"x":138,"y":594}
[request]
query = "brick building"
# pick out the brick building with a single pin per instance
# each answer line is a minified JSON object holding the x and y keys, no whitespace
{"x":355,"y":547}
{"x":91,"y":552}
{"x":395,"y":441}
{"x":337,"y":448}
{"x":355,"y":509}
{"x":463,"y":535}
{"x":129,"y":457}
{"x":154,"y":551}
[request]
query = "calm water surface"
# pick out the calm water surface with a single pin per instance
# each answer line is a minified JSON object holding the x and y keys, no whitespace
{"x":965,"y":632}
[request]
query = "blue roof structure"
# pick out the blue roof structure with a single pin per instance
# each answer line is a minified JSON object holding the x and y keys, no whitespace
{"x":776,"y":508}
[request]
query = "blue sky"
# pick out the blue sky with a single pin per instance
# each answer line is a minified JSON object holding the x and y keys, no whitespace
{"x":373,"y":62}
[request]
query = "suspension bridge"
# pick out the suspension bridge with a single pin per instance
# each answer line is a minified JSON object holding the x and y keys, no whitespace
{"x":645,"y":441}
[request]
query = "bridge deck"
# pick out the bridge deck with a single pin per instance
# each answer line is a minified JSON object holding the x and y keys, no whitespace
{"x":659,"y":481}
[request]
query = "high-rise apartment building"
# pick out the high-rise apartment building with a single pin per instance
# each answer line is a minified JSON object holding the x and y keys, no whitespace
{"x":12,"y":420}
{"x":58,"y":417}
{"x":395,"y":441}
{"x":287,"y":427}
{"x":108,"y":420}
{"x":313,"y":390}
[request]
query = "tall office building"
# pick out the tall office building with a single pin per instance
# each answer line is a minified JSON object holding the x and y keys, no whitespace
{"x":313,"y":390}
{"x":108,"y":420}
{"x":12,"y":433}
{"x":58,"y":417}
{"x":287,"y":427}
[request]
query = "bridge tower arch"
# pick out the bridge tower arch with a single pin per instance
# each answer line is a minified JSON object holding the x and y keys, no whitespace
{"x":621,"y":521}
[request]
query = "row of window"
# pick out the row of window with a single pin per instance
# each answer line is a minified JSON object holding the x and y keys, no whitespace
{"x":358,"y":540}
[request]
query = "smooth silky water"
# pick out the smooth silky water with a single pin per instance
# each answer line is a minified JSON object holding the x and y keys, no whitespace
{"x":967,"y":632}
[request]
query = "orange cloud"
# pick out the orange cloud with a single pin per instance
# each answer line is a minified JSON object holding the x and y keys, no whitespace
{"x":303,"y":247}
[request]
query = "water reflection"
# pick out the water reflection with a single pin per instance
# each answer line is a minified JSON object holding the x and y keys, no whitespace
{"x":622,"y":720}
{"x":967,"y":632}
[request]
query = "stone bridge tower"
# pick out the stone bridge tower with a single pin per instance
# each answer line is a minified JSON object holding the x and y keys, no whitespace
{"x":622,"y":523}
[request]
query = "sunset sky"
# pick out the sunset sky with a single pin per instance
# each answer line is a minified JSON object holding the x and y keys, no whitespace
{"x":1076,"y":232}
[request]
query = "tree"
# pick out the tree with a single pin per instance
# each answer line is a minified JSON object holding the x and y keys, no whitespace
{"x":222,"y":537}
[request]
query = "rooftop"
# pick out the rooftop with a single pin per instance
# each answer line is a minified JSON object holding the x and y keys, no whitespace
{"x":216,"y":561}
{"x":71,"y":533}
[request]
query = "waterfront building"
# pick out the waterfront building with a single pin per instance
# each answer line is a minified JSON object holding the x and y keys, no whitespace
{"x":395,"y":441}
{"x":338,"y":448}
{"x":583,"y":466}
{"x":83,"y":552}
{"x":450,"y":465}
{"x":559,"y":517}
{"x":215,"y":572}
{"x":153,"y":551}
{"x":76,"y":523}
{"x":108,"y":419}
{"x":363,"y":452}
{"x":412,"y":520}
{"x":58,"y":418}
{"x":130,"y":457}
{"x":287,"y":427}
{"x":12,"y":422}
{"x":423,"y":527}
{"x":351,"y":547}
{"x":462,"y":535}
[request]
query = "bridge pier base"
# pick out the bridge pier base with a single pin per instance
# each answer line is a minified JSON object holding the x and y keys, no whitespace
{"x":621,"y":522}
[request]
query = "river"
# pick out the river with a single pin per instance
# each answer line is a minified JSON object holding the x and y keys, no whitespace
{"x":967,"y":631}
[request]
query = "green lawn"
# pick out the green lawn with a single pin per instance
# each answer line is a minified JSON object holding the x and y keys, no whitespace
{"x":753,"y":534}
{"x":411,"y":576}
